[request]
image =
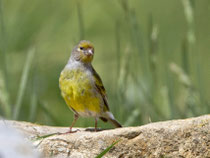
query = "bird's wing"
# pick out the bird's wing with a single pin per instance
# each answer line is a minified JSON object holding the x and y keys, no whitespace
{"x":100,"y":88}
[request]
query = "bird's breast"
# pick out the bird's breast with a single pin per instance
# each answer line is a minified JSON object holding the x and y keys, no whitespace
{"x":77,"y":88}
{"x":75,"y":83}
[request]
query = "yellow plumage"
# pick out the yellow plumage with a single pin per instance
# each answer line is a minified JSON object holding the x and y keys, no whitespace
{"x":78,"y":93}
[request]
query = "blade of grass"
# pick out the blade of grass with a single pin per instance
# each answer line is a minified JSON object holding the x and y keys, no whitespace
{"x":4,"y":97}
{"x":23,"y":83}
{"x":189,"y":14}
{"x":33,"y":106}
{"x":44,"y":136}
{"x":33,"y":100}
{"x":107,"y":149}
{"x":153,"y":46}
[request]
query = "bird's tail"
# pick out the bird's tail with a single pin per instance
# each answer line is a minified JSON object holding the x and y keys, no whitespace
{"x":108,"y":116}
{"x":115,"y":123}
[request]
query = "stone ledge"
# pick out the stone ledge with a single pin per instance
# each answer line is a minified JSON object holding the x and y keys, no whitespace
{"x":177,"y":138}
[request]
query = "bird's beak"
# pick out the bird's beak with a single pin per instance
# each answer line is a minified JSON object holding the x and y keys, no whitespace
{"x":90,"y":52}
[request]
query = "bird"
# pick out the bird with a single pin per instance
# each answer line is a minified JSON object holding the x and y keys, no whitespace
{"x":82,"y":88}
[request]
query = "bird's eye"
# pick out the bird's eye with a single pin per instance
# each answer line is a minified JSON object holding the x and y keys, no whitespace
{"x":81,"y":48}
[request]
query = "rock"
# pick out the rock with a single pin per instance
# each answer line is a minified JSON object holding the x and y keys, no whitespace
{"x":177,"y":138}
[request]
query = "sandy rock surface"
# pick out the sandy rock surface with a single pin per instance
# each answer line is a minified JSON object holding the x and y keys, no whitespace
{"x":186,"y":138}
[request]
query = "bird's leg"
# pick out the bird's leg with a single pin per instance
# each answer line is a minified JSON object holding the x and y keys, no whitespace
{"x":96,"y":120}
{"x":76,"y":116}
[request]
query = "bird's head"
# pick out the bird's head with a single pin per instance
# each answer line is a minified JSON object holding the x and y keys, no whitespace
{"x":83,"y":52}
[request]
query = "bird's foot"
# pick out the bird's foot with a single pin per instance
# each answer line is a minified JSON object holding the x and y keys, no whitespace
{"x":70,"y":131}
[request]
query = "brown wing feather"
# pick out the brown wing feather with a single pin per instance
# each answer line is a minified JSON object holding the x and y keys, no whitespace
{"x":100,"y":88}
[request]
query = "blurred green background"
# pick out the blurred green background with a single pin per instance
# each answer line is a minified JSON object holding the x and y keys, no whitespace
{"x":153,"y":57}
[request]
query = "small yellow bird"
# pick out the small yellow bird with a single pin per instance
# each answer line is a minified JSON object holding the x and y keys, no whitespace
{"x":82,"y":88}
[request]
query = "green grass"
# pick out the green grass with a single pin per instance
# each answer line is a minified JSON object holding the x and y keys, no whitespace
{"x":107,"y":149}
{"x":153,"y":58}
{"x":23,"y":83}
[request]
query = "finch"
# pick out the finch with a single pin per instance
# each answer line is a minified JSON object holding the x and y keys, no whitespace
{"x":82,"y":88}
